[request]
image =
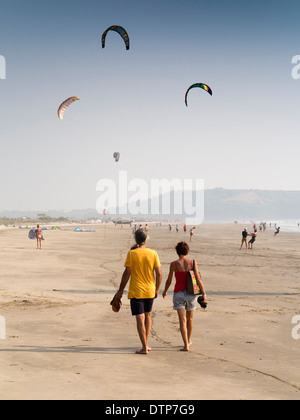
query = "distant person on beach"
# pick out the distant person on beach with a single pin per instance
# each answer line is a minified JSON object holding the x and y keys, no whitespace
{"x":277,"y":231}
{"x":244,"y":238}
{"x":184,"y":303}
{"x":140,"y":266}
{"x":184,"y":228}
{"x":192,"y":234}
{"x":253,"y":239}
{"x":39,"y":237}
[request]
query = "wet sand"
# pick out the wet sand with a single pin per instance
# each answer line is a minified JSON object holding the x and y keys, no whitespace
{"x":64,"y":342}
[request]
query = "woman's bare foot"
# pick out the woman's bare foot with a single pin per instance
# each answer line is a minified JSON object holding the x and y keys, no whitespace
{"x":142,"y":351}
{"x":184,"y":349}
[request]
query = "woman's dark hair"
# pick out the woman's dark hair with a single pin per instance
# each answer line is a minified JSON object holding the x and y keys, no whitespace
{"x":182,"y":248}
{"x":140,"y":238}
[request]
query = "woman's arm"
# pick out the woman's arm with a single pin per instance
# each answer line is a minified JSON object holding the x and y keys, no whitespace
{"x":169,"y":280}
{"x":199,"y":281}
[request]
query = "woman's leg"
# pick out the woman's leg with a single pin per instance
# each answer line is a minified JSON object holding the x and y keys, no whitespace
{"x":189,"y":325}
{"x":183,"y":328}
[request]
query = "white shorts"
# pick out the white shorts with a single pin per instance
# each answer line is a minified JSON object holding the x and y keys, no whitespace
{"x":183,"y":300}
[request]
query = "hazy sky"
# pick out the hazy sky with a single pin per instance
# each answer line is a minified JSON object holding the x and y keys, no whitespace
{"x":245,"y":136}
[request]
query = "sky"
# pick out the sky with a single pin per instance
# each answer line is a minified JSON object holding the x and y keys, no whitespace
{"x":244,"y":136}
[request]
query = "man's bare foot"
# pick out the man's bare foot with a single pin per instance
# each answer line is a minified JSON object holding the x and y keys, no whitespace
{"x":142,"y":351}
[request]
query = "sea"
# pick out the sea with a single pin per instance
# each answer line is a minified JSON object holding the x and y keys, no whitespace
{"x":290,"y":226}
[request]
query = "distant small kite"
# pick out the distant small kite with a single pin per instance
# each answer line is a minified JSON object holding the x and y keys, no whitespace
{"x":116,"y":156}
{"x":64,"y":106}
{"x":199,"y":85}
{"x":120,"y":31}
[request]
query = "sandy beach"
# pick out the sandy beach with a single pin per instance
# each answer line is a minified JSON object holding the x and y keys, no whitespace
{"x":64,"y":342}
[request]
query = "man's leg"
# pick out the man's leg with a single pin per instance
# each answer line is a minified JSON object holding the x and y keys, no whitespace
{"x":141,"y":327}
{"x":148,"y":324}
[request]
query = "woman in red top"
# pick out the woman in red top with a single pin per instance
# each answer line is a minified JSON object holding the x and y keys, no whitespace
{"x":184,"y":303}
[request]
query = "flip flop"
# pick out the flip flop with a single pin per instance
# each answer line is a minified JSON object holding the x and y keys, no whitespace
{"x":116,"y":304}
{"x":201,"y":303}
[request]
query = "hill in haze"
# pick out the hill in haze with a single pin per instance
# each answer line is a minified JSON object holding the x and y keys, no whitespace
{"x":220,"y":205}
{"x":259,"y":205}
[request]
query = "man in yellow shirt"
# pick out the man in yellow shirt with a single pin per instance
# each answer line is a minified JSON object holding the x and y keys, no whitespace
{"x":140,"y":266}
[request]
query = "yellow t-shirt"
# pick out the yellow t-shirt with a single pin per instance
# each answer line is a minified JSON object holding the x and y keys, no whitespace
{"x":142,"y":262}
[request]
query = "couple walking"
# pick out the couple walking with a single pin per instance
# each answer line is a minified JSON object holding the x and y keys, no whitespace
{"x":143,"y":269}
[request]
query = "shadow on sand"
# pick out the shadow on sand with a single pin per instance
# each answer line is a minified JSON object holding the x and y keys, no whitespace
{"x":81,"y":349}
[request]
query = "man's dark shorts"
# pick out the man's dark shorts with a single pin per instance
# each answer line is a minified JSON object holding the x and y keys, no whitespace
{"x":141,"y":306}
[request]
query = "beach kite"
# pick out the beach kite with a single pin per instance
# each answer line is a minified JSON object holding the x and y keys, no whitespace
{"x":116,"y":156}
{"x":64,"y":106}
{"x":199,"y":85}
{"x":120,"y":31}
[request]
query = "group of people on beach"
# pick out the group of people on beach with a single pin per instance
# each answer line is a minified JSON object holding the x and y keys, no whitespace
{"x":170,"y":227}
{"x":253,"y":235}
{"x":185,"y":230}
{"x":143,"y":270}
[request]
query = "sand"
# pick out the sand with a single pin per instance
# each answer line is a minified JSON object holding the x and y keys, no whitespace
{"x":64,"y":342}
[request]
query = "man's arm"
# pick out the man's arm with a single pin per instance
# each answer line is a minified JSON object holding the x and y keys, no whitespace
{"x":124,"y":281}
{"x":158,"y":275}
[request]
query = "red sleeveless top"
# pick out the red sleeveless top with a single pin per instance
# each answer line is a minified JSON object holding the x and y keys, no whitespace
{"x":181,"y":278}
